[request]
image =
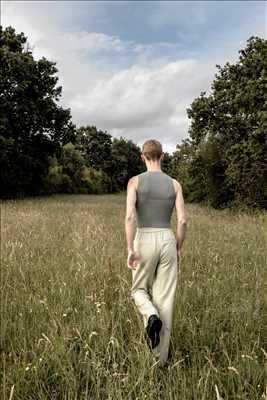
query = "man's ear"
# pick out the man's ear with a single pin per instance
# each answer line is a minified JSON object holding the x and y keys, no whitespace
{"x":162,"y":156}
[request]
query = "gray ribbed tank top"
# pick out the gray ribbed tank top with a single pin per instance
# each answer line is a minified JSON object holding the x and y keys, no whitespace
{"x":155,"y":199}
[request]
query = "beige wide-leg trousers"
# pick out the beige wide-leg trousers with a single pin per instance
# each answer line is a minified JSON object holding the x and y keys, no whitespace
{"x":154,"y":280}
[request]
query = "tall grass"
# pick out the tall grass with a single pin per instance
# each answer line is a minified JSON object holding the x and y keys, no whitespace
{"x":69,"y":329}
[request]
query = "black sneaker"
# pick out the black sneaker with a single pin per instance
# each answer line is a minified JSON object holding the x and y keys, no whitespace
{"x":152,"y":331}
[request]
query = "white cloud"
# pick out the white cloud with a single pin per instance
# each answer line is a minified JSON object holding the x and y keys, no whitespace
{"x":147,"y":99}
{"x":139,"y":96}
{"x":144,"y":102}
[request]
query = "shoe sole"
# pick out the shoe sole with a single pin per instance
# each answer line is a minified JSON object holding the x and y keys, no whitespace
{"x":153,"y":333}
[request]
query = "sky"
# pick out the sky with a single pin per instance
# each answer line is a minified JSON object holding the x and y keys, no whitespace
{"x":132,"y":68}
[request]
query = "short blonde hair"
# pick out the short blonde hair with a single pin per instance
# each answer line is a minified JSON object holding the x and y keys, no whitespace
{"x":152,"y":149}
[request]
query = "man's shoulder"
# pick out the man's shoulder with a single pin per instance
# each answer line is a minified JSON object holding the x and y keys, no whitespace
{"x":132,"y":182}
{"x":176,"y":184}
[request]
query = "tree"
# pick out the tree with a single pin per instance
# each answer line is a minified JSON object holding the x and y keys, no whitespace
{"x":180,"y":169}
{"x":166,"y":163}
{"x":126,"y":162}
{"x":32,"y":125}
{"x":95,"y":146}
{"x":69,"y":174}
{"x":230,"y":127}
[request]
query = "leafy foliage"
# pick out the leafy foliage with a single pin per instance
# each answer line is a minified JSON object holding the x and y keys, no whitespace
{"x":229,"y":131}
{"x":223,"y":162}
{"x":32,"y":125}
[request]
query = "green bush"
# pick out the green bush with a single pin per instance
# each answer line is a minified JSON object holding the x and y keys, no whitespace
{"x":57,"y":181}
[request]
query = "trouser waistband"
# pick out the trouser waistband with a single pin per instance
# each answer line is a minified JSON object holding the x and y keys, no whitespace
{"x":152,"y":229}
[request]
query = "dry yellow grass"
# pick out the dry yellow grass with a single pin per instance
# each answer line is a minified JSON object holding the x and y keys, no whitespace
{"x":69,"y":329}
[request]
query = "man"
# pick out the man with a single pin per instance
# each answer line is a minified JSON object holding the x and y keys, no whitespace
{"x":154,"y":252}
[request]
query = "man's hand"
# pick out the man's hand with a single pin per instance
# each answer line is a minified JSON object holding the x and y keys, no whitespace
{"x":132,"y":260}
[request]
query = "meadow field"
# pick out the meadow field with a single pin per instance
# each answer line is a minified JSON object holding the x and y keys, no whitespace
{"x":69,"y":329}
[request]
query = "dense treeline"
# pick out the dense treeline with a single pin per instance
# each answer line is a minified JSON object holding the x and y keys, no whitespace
{"x":223,"y":161}
{"x":94,"y":163}
{"x":229,"y":133}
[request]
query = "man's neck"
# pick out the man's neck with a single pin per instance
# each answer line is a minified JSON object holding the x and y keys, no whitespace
{"x":153,"y":168}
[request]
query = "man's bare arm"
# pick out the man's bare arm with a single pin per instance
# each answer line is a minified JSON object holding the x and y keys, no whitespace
{"x":182,"y":217}
{"x":130,"y":213}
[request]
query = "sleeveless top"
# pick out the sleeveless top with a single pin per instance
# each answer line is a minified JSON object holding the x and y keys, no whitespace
{"x":155,"y":199}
